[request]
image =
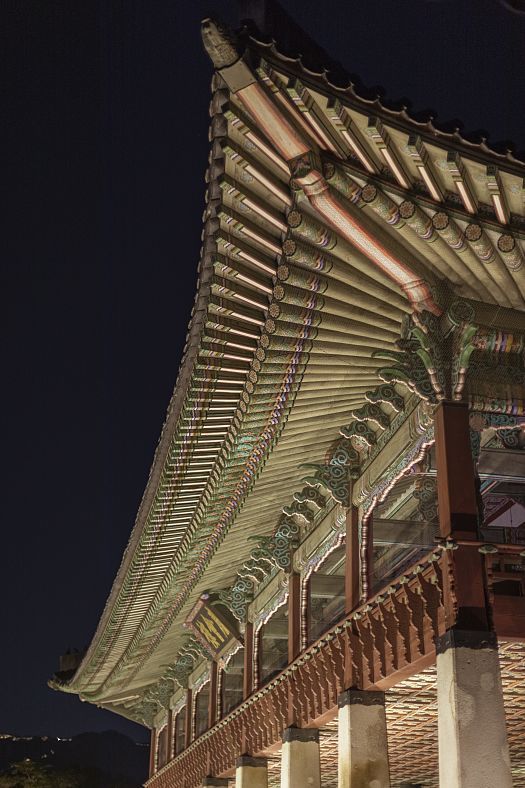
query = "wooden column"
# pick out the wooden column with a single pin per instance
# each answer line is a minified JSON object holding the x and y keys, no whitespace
{"x":294,"y":616}
{"x":152,"y":751}
{"x":294,"y":637}
{"x":248,"y":661}
{"x":352,"y":563}
{"x":464,"y":587}
{"x":369,"y":554}
{"x":188,"y":718}
{"x":170,"y":748}
{"x":212,"y":704}
{"x":457,"y":503}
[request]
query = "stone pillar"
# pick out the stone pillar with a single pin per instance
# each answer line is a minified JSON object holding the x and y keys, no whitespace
{"x":473,"y":748}
{"x":362,"y":746}
{"x":251,"y":772}
{"x":300,"y":765}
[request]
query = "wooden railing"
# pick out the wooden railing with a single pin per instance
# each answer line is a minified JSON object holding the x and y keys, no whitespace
{"x":389,"y":637}
{"x":381,"y":642}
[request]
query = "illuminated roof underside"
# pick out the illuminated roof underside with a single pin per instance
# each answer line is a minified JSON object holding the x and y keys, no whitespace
{"x":329,"y":219}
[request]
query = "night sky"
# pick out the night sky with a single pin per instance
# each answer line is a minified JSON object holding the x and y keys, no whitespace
{"x":107,"y":123}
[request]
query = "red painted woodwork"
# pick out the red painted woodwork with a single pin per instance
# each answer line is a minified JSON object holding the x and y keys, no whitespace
{"x":352,"y":560}
{"x":465,"y":592}
{"x":152,"y":751}
{"x":457,"y":503}
{"x":248,"y":660}
{"x":212,"y":706}
{"x":377,"y":645}
{"x":188,"y":710}
{"x":294,"y":615}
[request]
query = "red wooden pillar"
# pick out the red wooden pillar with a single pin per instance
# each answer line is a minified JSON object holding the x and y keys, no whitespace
{"x":170,"y":747}
{"x":457,"y":503}
{"x":369,"y":555}
{"x":188,"y":718}
{"x":352,"y":563}
{"x":465,"y":596}
{"x":294,"y":637}
{"x":248,"y":661}
{"x":152,"y":751}
{"x":212,"y":705}
{"x":294,"y":615}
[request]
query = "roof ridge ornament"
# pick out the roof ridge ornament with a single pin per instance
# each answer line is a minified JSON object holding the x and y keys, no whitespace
{"x":220,"y":43}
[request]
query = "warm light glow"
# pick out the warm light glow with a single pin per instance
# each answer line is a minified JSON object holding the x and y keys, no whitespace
{"x":254,"y":283}
{"x":255,"y":320}
{"x":234,"y":371}
{"x":239,"y":332}
{"x":247,"y":300}
{"x":429,"y":183}
{"x":214,"y":430}
{"x":357,"y":150}
{"x":498,"y":207}
{"x":236,"y":358}
{"x":265,"y":215}
{"x":237,"y":345}
{"x":394,"y":167}
{"x":256,"y":237}
{"x":281,"y":195}
{"x":321,"y":135}
{"x":256,"y":262}
{"x":467,"y":202}
{"x":268,"y":152}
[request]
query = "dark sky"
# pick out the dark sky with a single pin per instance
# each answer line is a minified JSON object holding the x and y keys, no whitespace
{"x":105,"y":156}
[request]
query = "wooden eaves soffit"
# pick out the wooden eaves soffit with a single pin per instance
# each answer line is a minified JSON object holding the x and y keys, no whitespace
{"x":357,"y":267}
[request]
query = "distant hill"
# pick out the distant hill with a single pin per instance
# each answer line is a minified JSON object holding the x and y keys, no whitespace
{"x":111,"y":758}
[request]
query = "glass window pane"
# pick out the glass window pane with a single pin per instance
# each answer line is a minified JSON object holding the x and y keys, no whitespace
{"x":326,"y":594}
{"x":273,"y":645}
{"x":232,"y":683}
{"x":501,"y":470}
{"x":180,"y":730}
{"x":405,"y":524}
{"x":201,"y":710}
{"x":162,"y":751}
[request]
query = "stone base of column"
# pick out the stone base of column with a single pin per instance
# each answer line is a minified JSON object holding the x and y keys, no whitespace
{"x":300,"y":764}
{"x":473,"y":747}
{"x":208,"y":782}
{"x":251,"y":772}
{"x":363,"y":745}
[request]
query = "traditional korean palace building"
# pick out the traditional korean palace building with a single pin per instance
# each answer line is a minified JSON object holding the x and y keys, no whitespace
{"x":325,"y":584}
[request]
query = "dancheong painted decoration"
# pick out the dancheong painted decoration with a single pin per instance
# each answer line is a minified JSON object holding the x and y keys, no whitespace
{"x":325,"y":583}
